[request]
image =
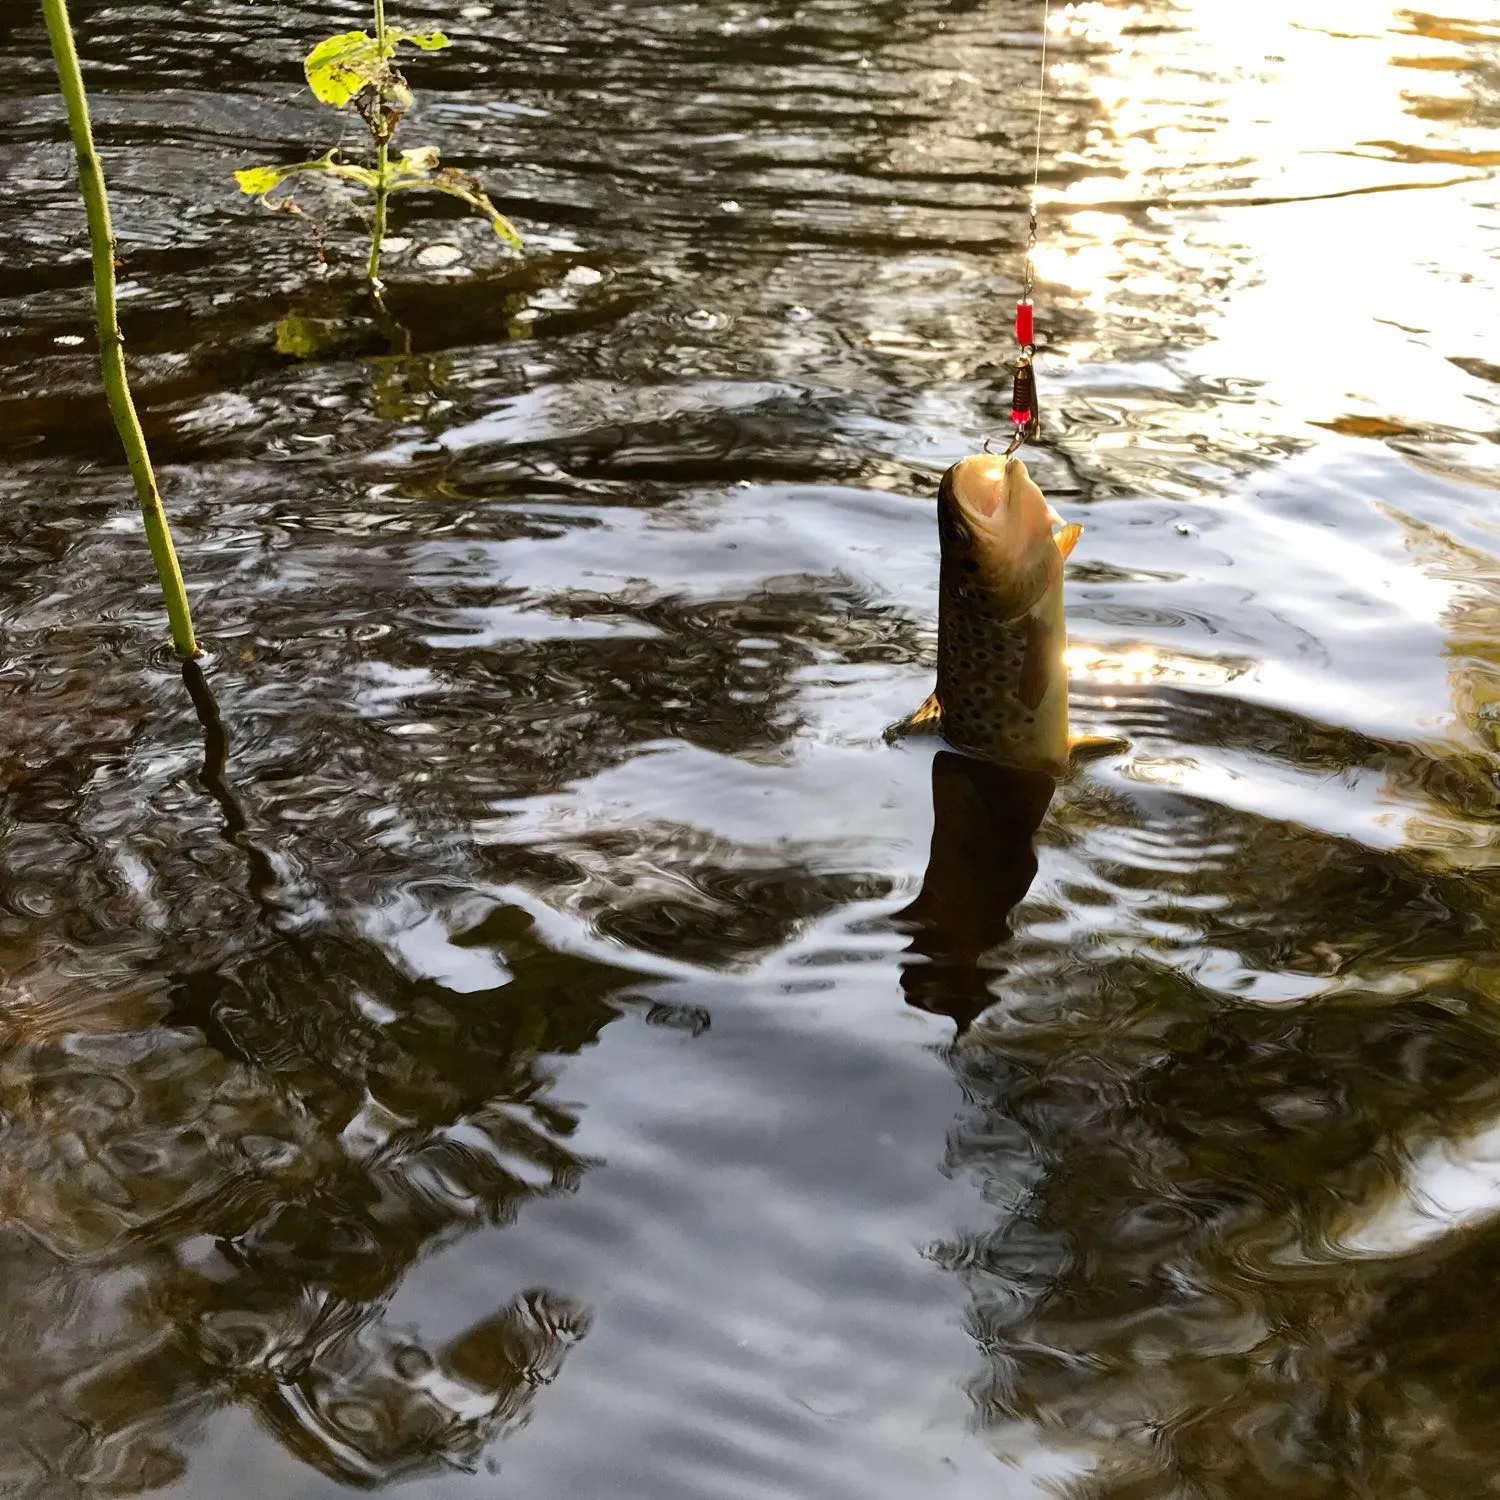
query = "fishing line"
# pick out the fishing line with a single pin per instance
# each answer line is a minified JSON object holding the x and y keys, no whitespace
{"x":1025,"y":417}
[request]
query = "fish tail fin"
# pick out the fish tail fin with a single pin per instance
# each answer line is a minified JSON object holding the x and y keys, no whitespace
{"x":928,"y":719}
{"x":1067,"y":538}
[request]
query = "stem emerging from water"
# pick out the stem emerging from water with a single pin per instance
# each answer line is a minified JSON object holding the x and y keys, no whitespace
{"x":111,"y":344}
{"x":382,"y":163}
{"x":377,"y":233}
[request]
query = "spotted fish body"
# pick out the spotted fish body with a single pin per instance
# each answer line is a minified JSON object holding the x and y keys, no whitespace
{"x":1002,"y":688}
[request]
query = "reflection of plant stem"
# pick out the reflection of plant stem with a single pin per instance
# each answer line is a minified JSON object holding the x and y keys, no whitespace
{"x":382,"y":160}
{"x":111,"y":344}
{"x":397,"y":334}
{"x":262,"y":873}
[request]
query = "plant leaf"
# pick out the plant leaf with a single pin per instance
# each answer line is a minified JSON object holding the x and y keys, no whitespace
{"x":456,"y":186}
{"x":421,"y":161}
{"x":430,"y":41}
{"x":364,"y":176}
{"x":258,"y":180}
{"x":312,"y":338}
{"x":340,"y":66}
{"x":296,"y":336}
{"x":503,"y":227}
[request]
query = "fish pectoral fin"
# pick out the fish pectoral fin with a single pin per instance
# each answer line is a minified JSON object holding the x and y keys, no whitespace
{"x":1043,"y":659}
{"x":1083,"y":747}
{"x":1067,"y":538}
{"x":928,"y":719}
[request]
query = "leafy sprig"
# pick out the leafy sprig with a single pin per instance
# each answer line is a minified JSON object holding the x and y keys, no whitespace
{"x":355,"y":68}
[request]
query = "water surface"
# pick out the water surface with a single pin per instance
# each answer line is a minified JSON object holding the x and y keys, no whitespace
{"x":569,"y":1043}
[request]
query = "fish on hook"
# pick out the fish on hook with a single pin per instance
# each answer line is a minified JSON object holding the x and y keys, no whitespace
{"x":1002,"y":684}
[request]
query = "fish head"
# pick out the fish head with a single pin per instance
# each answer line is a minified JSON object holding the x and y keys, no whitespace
{"x":995,"y":528}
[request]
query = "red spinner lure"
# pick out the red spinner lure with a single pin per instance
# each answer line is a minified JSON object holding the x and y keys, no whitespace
{"x":1025,"y":416}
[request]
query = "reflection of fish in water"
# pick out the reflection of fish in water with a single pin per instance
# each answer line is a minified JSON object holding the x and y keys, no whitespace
{"x":981,"y":865}
{"x":1002,"y":688}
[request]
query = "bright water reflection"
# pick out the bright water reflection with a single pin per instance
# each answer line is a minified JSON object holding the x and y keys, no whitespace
{"x":598,"y":1056}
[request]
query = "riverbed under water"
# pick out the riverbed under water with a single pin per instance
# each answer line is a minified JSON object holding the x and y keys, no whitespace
{"x":530,"y":1056}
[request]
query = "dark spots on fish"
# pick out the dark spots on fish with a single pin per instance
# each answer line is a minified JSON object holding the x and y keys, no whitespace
{"x":989,"y":660}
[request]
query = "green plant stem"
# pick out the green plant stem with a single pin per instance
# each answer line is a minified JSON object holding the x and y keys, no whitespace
{"x":111,"y":344}
{"x":382,"y":165}
{"x":382,"y":197}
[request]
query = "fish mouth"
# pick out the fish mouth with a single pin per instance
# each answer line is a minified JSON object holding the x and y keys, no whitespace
{"x":1001,"y":498}
{"x":979,"y":485}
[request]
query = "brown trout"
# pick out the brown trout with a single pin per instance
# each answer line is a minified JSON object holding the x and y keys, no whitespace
{"x":1002,"y":688}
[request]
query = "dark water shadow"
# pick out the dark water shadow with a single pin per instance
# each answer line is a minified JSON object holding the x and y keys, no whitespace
{"x":982,"y":863}
{"x":260,"y":870}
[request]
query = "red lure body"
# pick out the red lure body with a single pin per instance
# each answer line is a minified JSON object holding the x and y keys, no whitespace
{"x":1023,"y":398}
{"x":1024,"y":417}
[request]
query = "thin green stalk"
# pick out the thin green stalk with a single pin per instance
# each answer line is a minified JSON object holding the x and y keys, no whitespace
{"x":382,"y":197}
{"x":111,"y":344}
{"x":382,"y":164}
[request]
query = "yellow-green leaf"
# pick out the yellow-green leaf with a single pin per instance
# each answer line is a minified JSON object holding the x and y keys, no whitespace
{"x":506,"y":230}
{"x":430,"y":41}
{"x":258,"y":180}
{"x":296,"y":336}
{"x":455,"y":185}
{"x":340,"y":66}
{"x":312,"y":338}
{"x":364,"y":176}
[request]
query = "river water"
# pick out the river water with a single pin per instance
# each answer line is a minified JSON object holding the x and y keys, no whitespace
{"x":531,"y":1055}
